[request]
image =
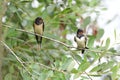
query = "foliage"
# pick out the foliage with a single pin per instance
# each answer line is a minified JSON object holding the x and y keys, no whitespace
{"x":54,"y":61}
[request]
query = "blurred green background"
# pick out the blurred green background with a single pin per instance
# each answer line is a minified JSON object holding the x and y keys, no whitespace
{"x":54,"y":61}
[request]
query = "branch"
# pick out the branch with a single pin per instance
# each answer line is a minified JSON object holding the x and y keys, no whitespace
{"x":79,"y":64}
{"x":68,"y":46}
{"x":47,"y":67}
{"x":22,"y":63}
{"x":18,"y":59}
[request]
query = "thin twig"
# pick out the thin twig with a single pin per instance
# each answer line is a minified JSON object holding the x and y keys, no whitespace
{"x":47,"y":67}
{"x":18,"y":59}
{"x":88,"y":75}
{"x":54,"y":40}
{"x":68,"y":46}
{"x":22,"y":63}
{"x":79,"y":64}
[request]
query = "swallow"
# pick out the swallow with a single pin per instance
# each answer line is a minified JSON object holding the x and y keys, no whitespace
{"x":81,"y":40}
{"x":38,"y":26}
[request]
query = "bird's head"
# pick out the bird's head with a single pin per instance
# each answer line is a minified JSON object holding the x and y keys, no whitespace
{"x":38,"y":20}
{"x":79,"y":32}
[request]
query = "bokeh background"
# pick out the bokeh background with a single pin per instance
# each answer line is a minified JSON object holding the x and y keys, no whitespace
{"x":20,"y":59}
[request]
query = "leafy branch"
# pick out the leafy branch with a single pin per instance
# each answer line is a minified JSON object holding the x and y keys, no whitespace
{"x":54,"y":40}
{"x":18,"y":59}
{"x":66,"y":45}
{"x":22,"y":63}
{"x":47,"y":67}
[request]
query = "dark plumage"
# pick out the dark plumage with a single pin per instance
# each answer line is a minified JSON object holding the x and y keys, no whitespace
{"x":38,"y":26}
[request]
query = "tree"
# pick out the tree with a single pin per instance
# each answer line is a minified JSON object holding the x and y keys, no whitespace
{"x":56,"y":60}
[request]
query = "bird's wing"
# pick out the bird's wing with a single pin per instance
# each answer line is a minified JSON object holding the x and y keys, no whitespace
{"x":75,"y":38}
{"x":85,"y":39}
{"x":43,"y":26}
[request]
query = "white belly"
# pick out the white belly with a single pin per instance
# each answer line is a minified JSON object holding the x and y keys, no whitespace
{"x":38,"y":29}
{"x":80,"y":42}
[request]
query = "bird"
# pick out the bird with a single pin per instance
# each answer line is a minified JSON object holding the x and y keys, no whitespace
{"x":81,"y":40}
{"x":38,"y":26}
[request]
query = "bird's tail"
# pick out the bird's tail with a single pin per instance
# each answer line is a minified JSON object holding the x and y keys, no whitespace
{"x":39,"y":43}
{"x":83,"y":50}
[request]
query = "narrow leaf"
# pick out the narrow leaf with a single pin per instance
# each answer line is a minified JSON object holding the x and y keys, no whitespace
{"x":8,"y":76}
{"x":115,"y":34}
{"x":50,"y":9}
{"x":99,"y":34}
{"x":114,"y":70}
{"x":107,"y":42}
{"x":66,"y":64}
{"x":91,"y":41}
{"x":83,"y":66}
{"x":86,"y":22}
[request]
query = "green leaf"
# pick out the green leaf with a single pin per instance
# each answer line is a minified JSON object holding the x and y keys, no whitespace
{"x":79,"y":2}
{"x":67,"y":10}
{"x":71,"y":66}
{"x":103,"y":67}
{"x":74,"y":71}
{"x":76,"y":76}
{"x":91,"y":41}
{"x":97,"y":68}
{"x":49,"y":74}
{"x":26,"y":1}
{"x":83,"y":66}
{"x":99,"y":34}
{"x":42,"y":76}
{"x":112,"y":50}
{"x":107,"y":66}
{"x":25,"y":76}
{"x":8,"y":76}
{"x":115,"y":70}
{"x":11,"y":69}
{"x":107,"y":42}
{"x":69,"y":2}
{"x":51,"y":8}
{"x":78,"y":57}
{"x":115,"y":33}
{"x":86,"y":22}
{"x":104,"y":9}
{"x":92,"y":54}
{"x":93,"y":3}
{"x":66,"y":64}
{"x":12,"y":8}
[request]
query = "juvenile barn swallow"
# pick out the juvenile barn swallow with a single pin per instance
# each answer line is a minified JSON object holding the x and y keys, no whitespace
{"x":81,"y":40}
{"x":38,"y":26}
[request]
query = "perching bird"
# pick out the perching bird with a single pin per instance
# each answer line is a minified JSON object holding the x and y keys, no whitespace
{"x":81,"y":40}
{"x":38,"y":26}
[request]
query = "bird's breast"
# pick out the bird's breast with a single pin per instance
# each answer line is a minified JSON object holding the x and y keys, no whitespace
{"x":38,"y":29}
{"x":80,"y":42}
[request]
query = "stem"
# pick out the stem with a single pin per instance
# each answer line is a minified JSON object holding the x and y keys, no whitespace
{"x":18,"y":59}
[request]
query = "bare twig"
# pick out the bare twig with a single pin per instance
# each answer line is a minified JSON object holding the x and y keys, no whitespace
{"x":18,"y":59}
